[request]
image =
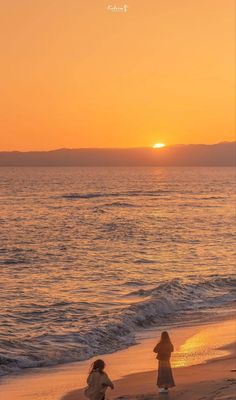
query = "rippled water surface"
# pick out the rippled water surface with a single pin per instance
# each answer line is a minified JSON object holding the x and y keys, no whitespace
{"x":89,"y":255}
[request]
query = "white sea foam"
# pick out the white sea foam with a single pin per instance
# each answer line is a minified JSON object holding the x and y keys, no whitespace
{"x":170,"y":302}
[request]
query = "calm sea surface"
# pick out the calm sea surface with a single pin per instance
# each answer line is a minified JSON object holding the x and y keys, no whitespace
{"x":90,"y":255}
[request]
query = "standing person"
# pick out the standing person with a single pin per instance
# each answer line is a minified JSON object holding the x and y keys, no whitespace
{"x":164,"y":349}
{"x":98,"y":382}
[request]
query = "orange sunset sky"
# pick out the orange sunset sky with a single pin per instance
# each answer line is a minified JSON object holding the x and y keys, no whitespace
{"x":74,"y":74}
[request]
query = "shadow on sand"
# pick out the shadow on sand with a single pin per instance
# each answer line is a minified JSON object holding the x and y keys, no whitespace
{"x":73,"y":395}
{"x":78,"y":395}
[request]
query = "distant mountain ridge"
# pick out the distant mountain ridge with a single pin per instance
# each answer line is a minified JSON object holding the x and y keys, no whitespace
{"x":221,"y":154}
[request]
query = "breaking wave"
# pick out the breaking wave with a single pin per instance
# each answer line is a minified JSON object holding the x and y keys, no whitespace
{"x":168,"y":302}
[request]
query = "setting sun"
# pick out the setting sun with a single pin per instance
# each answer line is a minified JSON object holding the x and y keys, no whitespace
{"x":159,"y":145}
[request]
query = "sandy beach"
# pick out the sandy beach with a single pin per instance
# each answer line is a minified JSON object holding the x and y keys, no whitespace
{"x":213,"y":381}
{"x":203,"y":366}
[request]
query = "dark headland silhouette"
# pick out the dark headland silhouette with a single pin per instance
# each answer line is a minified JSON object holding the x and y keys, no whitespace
{"x":221,"y":154}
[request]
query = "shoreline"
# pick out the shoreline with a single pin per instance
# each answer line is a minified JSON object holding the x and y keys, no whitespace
{"x":141,"y":335}
{"x":134,"y":364}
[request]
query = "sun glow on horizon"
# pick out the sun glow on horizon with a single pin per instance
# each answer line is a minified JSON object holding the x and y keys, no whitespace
{"x":89,"y":78}
{"x":159,"y":145}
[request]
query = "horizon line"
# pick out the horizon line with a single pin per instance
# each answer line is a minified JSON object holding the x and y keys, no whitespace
{"x":118,"y":148}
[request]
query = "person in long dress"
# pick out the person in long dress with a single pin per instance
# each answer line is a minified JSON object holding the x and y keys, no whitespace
{"x":163,"y":349}
{"x":98,"y":382}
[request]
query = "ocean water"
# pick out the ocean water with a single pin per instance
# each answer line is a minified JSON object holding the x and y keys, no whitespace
{"x":89,"y":256}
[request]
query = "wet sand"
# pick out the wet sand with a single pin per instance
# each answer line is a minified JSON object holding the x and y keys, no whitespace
{"x":203,"y":364}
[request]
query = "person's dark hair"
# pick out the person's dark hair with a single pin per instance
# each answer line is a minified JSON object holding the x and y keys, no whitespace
{"x":165,"y":338}
{"x":97,"y":365}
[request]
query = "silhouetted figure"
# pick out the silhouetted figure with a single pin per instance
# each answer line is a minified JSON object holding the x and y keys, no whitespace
{"x":164,"y":349}
{"x":98,"y":382}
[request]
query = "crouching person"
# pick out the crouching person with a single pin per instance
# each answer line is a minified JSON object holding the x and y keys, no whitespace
{"x":98,"y":381}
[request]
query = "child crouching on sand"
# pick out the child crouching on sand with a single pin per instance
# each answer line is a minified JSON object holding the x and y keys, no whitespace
{"x":98,"y":382}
